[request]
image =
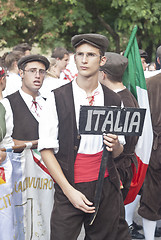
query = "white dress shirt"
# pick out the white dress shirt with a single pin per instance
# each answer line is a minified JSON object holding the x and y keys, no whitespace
{"x":28,"y":99}
{"x":51,"y":83}
{"x":13,"y":83}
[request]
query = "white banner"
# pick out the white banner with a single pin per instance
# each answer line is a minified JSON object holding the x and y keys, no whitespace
{"x":6,"y":205}
{"x":31,"y":199}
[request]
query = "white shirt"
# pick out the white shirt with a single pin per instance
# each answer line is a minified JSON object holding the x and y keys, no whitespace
{"x":28,"y":100}
{"x":48,"y":125}
{"x":71,"y":70}
{"x":13,"y":84}
{"x":51,"y":83}
{"x":149,"y":74}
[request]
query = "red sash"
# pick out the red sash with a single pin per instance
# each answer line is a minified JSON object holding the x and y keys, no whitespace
{"x":86,"y":168}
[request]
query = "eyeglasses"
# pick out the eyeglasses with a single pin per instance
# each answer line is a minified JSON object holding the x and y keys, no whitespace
{"x":89,"y":55}
{"x":34,"y":71}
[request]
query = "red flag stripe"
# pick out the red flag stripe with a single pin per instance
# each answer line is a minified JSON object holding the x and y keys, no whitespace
{"x":41,"y":165}
{"x":138,"y":178}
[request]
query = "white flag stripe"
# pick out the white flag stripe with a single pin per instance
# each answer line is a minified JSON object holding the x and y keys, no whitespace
{"x":145,"y":141}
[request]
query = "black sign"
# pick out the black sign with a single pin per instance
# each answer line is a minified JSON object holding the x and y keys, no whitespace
{"x":120,"y":121}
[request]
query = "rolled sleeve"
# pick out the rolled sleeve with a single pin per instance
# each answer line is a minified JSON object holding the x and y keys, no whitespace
{"x":48,"y":126}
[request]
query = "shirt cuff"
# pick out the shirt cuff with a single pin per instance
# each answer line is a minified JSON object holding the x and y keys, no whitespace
{"x":48,"y":143}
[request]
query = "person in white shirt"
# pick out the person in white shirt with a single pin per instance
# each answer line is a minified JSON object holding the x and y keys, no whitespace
{"x":58,"y":62}
{"x":73,"y":160}
{"x":62,"y":58}
{"x":70,"y":72}
{"x":13,"y":78}
{"x":27,"y":103}
{"x":6,"y":141}
{"x":52,"y":79}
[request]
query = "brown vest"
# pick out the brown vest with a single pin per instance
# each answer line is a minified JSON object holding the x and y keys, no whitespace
{"x":68,"y":136}
{"x":25,"y":125}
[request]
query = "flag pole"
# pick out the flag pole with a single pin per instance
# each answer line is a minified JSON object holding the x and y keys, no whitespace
{"x":21,"y":147}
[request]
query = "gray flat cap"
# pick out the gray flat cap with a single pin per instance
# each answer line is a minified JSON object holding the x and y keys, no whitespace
{"x":159,"y":52}
{"x":115,"y":64}
{"x":97,"y":40}
{"x":33,"y":58}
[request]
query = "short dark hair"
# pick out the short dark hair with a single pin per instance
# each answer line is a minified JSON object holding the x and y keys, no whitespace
{"x":11,"y":58}
{"x":23,"y":47}
{"x":59,"y":53}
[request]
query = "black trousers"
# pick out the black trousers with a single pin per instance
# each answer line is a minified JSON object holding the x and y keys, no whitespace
{"x":109,"y":224}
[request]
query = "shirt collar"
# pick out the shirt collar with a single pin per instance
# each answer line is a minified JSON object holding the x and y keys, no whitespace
{"x":77,"y":88}
{"x":28,"y":97}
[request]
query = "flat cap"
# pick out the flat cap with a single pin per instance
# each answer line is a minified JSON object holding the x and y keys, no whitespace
{"x":115,"y":64}
{"x":33,"y":58}
{"x":143,"y":54}
{"x":159,"y":52}
{"x":97,"y":40}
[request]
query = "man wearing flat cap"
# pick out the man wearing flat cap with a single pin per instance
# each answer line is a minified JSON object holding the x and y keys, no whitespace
{"x":27,"y":103}
{"x":111,"y":74}
{"x":150,"y":203}
{"x":73,"y":159}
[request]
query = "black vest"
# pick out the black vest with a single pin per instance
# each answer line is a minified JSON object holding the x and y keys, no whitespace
{"x":68,"y":136}
{"x":25,"y":125}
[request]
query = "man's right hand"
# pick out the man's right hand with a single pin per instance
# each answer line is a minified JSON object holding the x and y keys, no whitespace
{"x":79,"y":200}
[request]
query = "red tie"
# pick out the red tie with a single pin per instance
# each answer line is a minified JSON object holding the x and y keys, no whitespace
{"x":35,"y":106}
{"x":34,"y":103}
{"x":92,"y":98}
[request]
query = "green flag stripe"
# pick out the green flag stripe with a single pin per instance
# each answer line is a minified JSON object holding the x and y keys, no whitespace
{"x":131,"y":40}
{"x":134,"y":74}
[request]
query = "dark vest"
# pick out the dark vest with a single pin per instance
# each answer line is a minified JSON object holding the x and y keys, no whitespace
{"x":25,"y":125}
{"x":68,"y":136}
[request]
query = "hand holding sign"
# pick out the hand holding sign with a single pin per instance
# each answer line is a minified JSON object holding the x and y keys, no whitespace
{"x":120,"y":121}
{"x":112,"y":144}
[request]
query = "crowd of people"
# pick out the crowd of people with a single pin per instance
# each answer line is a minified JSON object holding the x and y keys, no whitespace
{"x":40,"y":101}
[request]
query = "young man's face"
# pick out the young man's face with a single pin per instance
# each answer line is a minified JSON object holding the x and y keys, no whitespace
{"x":32,"y":77}
{"x":88,"y":60}
{"x":63,"y":62}
{"x":144,"y":64}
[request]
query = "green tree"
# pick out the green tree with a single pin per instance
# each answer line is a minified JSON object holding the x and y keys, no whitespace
{"x":146,"y":15}
{"x":45,"y":22}
{"x":51,"y":23}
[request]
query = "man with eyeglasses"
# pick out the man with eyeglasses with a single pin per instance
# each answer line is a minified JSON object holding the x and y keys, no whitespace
{"x":74,"y":160}
{"x":27,"y":103}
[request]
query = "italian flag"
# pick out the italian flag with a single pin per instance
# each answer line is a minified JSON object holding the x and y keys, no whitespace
{"x":134,"y":80}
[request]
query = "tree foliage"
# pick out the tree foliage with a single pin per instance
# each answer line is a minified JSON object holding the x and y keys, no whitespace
{"x":51,"y":23}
